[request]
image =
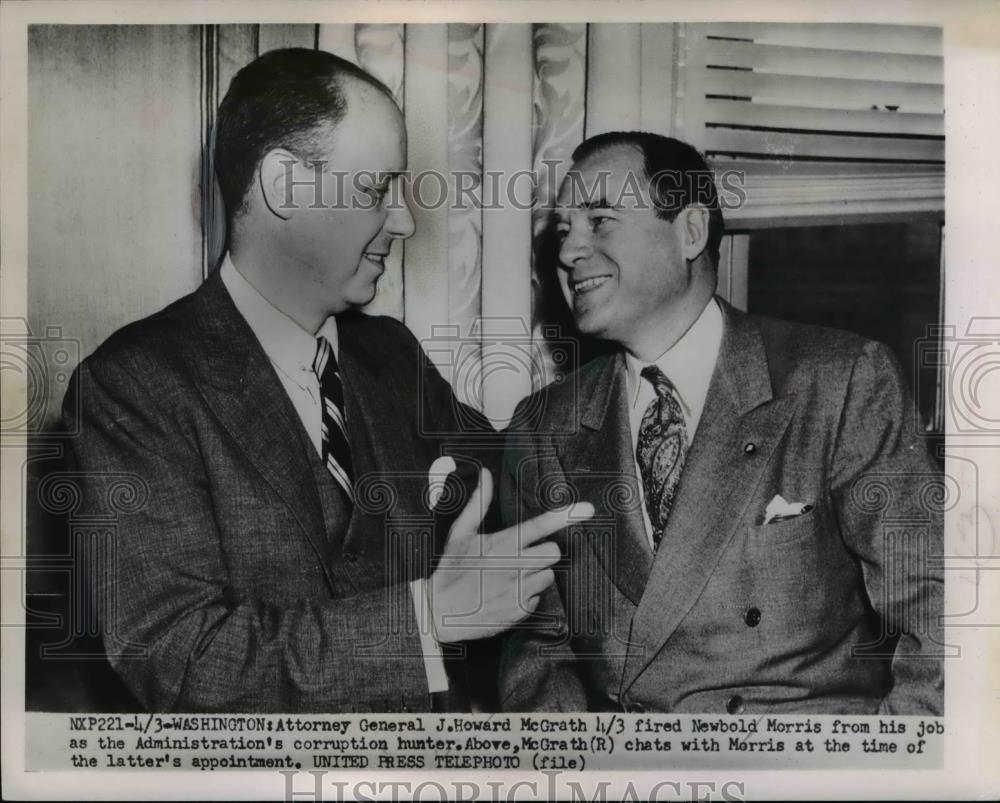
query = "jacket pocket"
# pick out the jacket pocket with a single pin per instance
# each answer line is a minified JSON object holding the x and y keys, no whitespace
{"x":784,"y":532}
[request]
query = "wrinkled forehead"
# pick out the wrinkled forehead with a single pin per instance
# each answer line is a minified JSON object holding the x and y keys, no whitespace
{"x":614,"y":178}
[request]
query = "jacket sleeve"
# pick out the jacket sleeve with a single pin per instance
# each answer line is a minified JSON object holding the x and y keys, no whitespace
{"x":889,"y":496}
{"x":538,"y":668}
{"x":165,"y":588}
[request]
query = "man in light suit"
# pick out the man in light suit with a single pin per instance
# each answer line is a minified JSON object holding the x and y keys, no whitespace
{"x":289,"y":552}
{"x":768,"y":529}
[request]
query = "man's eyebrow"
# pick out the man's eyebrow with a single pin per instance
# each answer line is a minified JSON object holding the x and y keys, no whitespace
{"x":600,"y":203}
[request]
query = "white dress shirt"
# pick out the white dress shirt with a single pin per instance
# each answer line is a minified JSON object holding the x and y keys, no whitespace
{"x":291,"y":350}
{"x":688,"y":364}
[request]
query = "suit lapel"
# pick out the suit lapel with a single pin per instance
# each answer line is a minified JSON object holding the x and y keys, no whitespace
{"x":371,"y":400}
{"x":239,"y":384}
{"x":599,"y":463}
{"x":720,"y":476}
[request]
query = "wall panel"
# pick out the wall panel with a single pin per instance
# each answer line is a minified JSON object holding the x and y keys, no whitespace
{"x":274,"y":37}
{"x":613,"y":77}
{"x":426,"y":266}
{"x":113,"y":177}
{"x":507,"y":240}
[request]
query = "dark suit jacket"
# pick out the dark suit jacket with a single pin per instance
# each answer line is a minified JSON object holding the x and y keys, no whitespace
{"x":837,"y":610}
{"x":239,"y":572}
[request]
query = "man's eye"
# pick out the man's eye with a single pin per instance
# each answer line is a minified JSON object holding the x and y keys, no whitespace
{"x":562,"y":233}
{"x":599,"y":220}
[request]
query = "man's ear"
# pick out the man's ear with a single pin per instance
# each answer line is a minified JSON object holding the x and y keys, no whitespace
{"x":276,"y":178}
{"x":694,"y":231}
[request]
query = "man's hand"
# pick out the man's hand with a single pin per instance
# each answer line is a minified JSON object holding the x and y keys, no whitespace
{"x":485,"y":583}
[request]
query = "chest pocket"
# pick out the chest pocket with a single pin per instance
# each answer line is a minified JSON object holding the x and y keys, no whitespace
{"x":783,"y":533}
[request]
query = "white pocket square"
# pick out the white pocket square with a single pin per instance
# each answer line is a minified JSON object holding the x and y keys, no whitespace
{"x":440,"y":469}
{"x":780,"y":508}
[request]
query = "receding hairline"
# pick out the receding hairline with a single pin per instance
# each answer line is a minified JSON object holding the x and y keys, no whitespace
{"x":359,"y":94}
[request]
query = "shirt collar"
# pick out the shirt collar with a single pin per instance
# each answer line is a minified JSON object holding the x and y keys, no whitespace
{"x":689,"y":363}
{"x":290,"y":347}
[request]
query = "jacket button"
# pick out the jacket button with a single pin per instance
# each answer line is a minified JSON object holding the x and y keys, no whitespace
{"x":351,"y":557}
{"x":734,"y":705}
{"x":634,"y":708}
{"x":752,"y":617}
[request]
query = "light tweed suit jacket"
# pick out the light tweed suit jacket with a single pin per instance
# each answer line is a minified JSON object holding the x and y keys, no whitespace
{"x":835,"y":611}
{"x":243,"y":578}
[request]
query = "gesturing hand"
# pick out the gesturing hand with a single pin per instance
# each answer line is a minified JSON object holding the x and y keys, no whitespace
{"x":485,"y":583}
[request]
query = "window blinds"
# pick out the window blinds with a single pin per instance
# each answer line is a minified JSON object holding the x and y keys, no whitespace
{"x":861,"y":105}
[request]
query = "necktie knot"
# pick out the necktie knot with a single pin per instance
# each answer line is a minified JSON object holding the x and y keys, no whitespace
{"x":323,"y":358}
{"x":663,"y":386}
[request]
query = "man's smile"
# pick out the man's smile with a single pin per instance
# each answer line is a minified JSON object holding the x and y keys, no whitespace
{"x":580,"y":286}
{"x":377,"y":258}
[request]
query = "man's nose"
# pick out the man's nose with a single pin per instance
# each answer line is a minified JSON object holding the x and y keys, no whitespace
{"x":574,"y":248}
{"x":399,"y":223}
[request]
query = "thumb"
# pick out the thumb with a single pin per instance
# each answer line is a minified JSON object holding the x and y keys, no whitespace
{"x":474,"y":512}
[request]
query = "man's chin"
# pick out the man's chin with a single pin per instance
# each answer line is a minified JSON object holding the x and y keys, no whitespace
{"x":590,"y":324}
{"x":356,"y":301}
{"x":369,"y":295}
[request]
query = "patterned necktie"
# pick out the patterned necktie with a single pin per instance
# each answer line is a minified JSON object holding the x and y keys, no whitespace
{"x":662,"y":446}
{"x":336,"y":450}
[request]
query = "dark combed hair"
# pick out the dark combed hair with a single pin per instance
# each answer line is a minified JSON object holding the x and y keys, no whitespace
{"x":280,"y":100}
{"x":678,"y":177}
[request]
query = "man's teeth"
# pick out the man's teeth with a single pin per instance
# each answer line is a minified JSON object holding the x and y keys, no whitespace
{"x":380,"y":258}
{"x":589,"y":284}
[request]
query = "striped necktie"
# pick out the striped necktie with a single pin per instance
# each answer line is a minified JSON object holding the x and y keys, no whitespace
{"x":336,"y":449}
{"x":660,"y":452}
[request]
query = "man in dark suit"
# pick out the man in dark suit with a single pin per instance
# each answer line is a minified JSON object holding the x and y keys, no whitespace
{"x":768,"y":529}
{"x":292,"y":552}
